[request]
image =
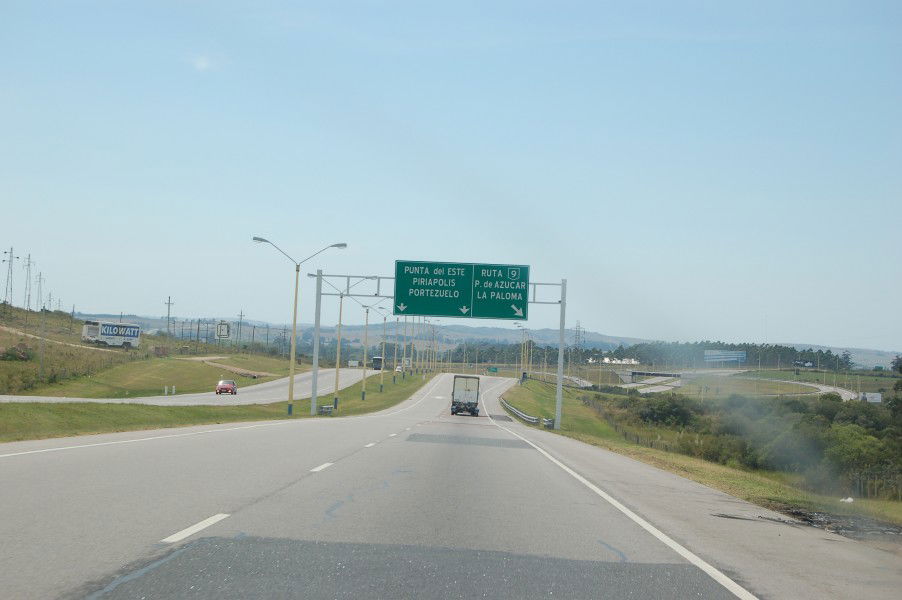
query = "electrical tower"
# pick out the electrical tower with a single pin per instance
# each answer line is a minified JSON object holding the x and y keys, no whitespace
{"x":577,"y":336}
{"x":8,"y":288}
{"x":40,"y":281}
{"x":27,"y":266}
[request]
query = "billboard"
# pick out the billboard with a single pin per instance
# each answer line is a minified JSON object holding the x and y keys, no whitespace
{"x":117,"y":329}
{"x":724,"y":355}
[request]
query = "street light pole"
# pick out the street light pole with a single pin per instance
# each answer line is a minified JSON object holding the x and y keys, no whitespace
{"x":294,"y":316}
{"x":294,"y":332}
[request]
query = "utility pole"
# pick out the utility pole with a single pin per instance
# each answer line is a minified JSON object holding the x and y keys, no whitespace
{"x":168,"y":304}
{"x":382,"y":369}
{"x":397,"y":341}
{"x":238,"y":337}
{"x":341,"y":298}
{"x":404,"y":351}
{"x":366,"y":341}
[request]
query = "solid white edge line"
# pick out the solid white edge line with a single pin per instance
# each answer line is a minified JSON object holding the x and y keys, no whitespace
{"x":426,"y":395}
{"x":321,"y":467}
{"x":370,"y":445}
{"x":144,"y":439}
{"x":736,"y":589}
{"x":177,"y":537}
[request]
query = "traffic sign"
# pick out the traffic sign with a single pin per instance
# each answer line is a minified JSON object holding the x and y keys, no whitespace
{"x":222,"y":330}
{"x":445,"y":289}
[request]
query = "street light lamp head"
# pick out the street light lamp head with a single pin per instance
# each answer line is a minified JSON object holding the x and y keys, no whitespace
{"x":340,"y":245}
{"x":260,"y":239}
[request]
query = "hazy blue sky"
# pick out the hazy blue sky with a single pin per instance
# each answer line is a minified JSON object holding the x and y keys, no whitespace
{"x":698,"y":170}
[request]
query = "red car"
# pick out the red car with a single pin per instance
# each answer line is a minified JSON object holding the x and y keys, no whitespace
{"x":226,"y":386}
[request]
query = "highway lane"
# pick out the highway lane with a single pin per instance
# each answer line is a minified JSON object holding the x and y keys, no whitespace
{"x":261,"y":393}
{"x":409,"y":502}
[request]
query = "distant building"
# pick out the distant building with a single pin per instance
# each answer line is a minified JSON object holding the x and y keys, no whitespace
{"x":619,"y":361}
{"x":872,"y":397}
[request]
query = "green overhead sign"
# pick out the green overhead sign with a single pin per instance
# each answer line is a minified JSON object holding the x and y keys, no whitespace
{"x":443,"y":289}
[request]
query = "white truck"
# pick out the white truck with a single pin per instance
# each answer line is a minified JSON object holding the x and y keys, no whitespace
{"x":125,"y":335}
{"x":465,"y":395}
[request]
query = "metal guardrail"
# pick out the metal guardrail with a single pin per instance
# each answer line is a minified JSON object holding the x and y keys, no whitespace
{"x":519,"y":413}
{"x":548,"y":423}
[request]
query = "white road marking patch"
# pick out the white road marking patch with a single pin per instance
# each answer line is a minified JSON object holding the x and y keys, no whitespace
{"x":736,"y":589}
{"x":177,"y":537}
{"x":370,"y":445}
{"x":392,"y":434}
{"x":321,"y":467}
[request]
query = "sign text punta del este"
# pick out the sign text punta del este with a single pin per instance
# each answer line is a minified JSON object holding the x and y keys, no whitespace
{"x":444,"y":289}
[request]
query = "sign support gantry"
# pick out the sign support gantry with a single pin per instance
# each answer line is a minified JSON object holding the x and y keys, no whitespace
{"x":498,"y":284}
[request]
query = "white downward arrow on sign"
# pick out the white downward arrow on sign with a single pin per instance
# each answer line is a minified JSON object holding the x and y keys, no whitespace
{"x":402,"y":307}
{"x":517,"y":311}
{"x":464,"y":309}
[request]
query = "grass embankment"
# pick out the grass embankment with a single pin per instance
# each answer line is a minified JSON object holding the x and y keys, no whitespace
{"x":770,"y":489}
{"x":29,"y":421}
{"x":869,"y":381}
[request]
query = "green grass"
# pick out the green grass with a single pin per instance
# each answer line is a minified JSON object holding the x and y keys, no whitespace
{"x":28,"y":421}
{"x":769,"y":489}
{"x":723,"y":387}
{"x":350,"y":402}
{"x":67,"y":363}
{"x":869,"y":381}
{"x":260,"y":363}
{"x":144,"y":378}
{"x":537,"y":399}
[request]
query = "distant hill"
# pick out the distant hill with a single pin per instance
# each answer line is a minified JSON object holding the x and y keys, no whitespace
{"x":863,"y":357}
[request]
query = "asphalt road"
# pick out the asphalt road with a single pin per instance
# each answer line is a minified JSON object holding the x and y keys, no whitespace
{"x":262,"y":393}
{"x":407,"y":503}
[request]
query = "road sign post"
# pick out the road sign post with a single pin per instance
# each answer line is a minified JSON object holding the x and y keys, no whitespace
{"x":474,"y":290}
